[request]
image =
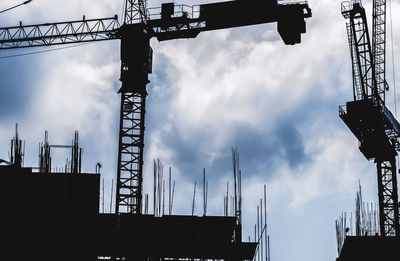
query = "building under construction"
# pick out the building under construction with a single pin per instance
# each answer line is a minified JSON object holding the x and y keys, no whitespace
{"x":56,"y":215}
{"x":369,"y":248}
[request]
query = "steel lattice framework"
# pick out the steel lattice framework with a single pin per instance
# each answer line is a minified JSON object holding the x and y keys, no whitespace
{"x":135,"y":11}
{"x":365,"y":84}
{"x":85,"y":30}
{"x":379,"y":44}
{"x":360,"y":50}
{"x":387,"y":193}
{"x":134,"y":78}
{"x":358,"y":90}
{"x":367,"y":116}
{"x":130,"y":157}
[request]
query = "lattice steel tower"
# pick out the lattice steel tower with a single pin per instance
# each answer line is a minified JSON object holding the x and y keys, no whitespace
{"x":367,"y":116}
{"x":136,"y":56}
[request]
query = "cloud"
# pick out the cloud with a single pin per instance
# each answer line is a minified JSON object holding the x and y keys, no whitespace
{"x":225,"y":92}
{"x":43,"y":11}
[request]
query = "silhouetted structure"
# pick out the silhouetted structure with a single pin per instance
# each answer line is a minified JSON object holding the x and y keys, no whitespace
{"x":378,"y":133}
{"x":364,"y":222}
{"x":370,"y":248}
{"x":17,"y":150}
{"x":72,"y":166}
{"x":55,"y":216}
{"x":139,"y":26}
{"x":367,"y":116}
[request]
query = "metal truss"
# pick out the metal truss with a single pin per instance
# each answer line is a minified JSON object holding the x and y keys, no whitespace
{"x":358,"y":91}
{"x":130,"y":156}
{"x":85,"y":30}
{"x":135,"y":11}
{"x":361,"y":49}
{"x":388,"y":197}
{"x":379,"y":43}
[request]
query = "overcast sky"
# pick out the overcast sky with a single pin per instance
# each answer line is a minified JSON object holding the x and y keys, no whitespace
{"x":277,"y":104}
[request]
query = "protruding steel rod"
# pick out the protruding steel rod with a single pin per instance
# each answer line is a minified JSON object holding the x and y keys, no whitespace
{"x":169,"y":192}
{"x":8,"y":9}
{"x":172,"y":199}
{"x":266,"y":226}
{"x":103,"y":197}
{"x":194,"y":197}
{"x":262,"y":227}
{"x":204,"y":191}
{"x":258,"y":232}
{"x":111,"y":197}
{"x":154,"y":187}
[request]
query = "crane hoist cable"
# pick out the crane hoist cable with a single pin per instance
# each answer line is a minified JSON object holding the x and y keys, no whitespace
{"x":393,"y":66}
{"x":45,"y":51}
{"x":15,"y":6}
{"x":393,"y":62}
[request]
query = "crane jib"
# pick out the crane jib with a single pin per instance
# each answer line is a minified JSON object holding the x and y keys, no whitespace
{"x":171,"y":25}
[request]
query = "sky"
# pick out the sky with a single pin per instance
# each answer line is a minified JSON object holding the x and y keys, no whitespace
{"x":242,"y":88}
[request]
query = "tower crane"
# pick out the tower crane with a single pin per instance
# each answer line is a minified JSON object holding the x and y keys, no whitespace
{"x":139,"y":25}
{"x":375,"y":127}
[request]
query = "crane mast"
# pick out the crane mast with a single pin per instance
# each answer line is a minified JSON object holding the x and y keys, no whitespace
{"x":136,"y":56}
{"x":140,"y":24}
{"x":367,"y":116}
